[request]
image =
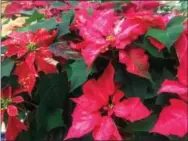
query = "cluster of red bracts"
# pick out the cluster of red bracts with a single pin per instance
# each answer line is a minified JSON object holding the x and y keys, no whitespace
{"x":8,"y":105}
{"x":32,"y":54}
{"x":31,"y":50}
{"x":101,"y":100}
{"x":103,"y":31}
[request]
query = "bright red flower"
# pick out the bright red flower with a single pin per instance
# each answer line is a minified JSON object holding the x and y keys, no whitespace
{"x":82,"y":11}
{"x":80,"y":18}
{"x":97,"y":32}
{"x":107,"y":130}
{"x":134,"y":25}
{"x":99,"y":27}
{"x":91,"y":52}
{"x":171,"y":86}
{"x":12,"y":9}
{"x":176,"y":87}
{"x":102,"y":95}
{"x":103,"y":29}
{"x":173,"y":119}
{"x":136,"y":61}
{"x":17,"y":6}
{"x":131,"y":109}
{"x":32,"y":49}
{"x":26,"y":76}
{"x":82,"y":124}
{"x":21,"y":43}
{"x":14,"y":127}
{"x":147,"y":19}
{"x":8,"y":101}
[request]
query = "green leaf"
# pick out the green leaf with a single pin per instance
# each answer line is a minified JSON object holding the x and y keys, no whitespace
{"x":51,"y":93}
{"x":74,"y":2}
{"x":36,"y":16}
{"x":132,"y":85}
{"x":63,"y":27}
{"x":21,"y":115}
{"x":67,"y":16}
{"x":169,"y":35}
{"x":176,"y":20}
{"x":27,"y":12}
{"x":173,"y":33}
{"x":135,"y":86}
{"x":24,"y":136}
{"x":3,"y":49}
{"x":145,"y":136}
{"x":41,"y":115}
{"x":12,"y":80}
{"x":34,"y":133}
{"x":176,"y":138}
{"x":158,"y":78}
{"x":57,"y":4}
{"x":55,"y":119}
{"x":49,"y":24}
{"x":78,"y":74}
{"x":90,"y":11}
{"x":53,"y":90}
{"x":163,"y":99}
{"x":142,"y":125}
{"x":6,"y":67}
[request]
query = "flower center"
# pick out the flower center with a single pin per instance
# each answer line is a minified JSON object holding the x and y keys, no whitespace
{"x":111,"y":106}
{"x":110,"y":38}
{"x":5,"y":102}
{"x":31,"y":46}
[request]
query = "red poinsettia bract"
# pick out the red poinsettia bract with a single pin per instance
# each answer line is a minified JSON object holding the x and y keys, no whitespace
{"x":8,"y":101}
{"x":31,"y":49}
{"x":173,"y":119}
{"x":105,"y":29}
{"x":14,"y":125}
{"x":136,"y":61}
{"x":101,"y":100}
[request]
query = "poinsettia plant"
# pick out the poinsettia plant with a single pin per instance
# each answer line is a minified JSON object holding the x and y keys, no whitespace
{"x":94,"y":70}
